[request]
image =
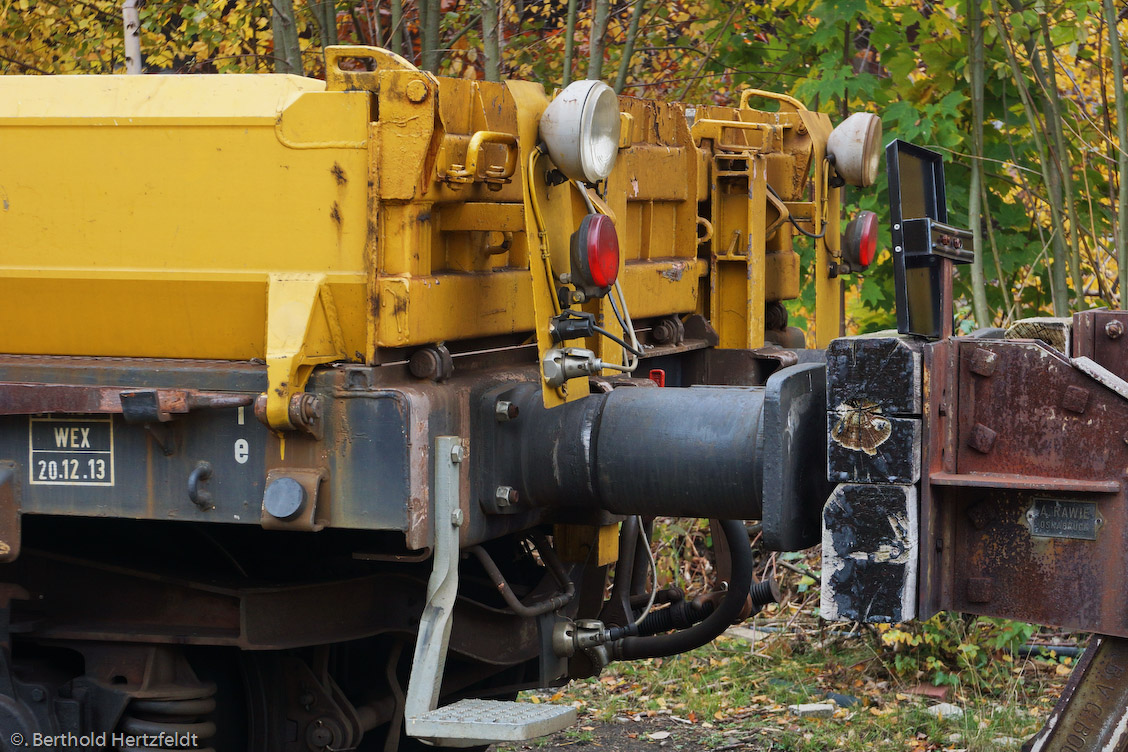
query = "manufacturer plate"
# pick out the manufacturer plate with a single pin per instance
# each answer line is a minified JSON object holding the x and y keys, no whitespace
{"x":1060,"y":518}
{"x":71,"y":451}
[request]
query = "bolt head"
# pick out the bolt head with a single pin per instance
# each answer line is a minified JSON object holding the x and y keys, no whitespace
{"x":506,"y":496}
{"x":457,"y":453}
{"x":416,"y":91}
{"x":456,"y":518}
{"x":284,"y":498}
{"x":1114,"y":329}
{"x":505,"y":411}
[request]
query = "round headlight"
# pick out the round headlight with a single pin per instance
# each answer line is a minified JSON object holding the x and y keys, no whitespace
{"x":855,"y":146}
{"x":581,"y":130}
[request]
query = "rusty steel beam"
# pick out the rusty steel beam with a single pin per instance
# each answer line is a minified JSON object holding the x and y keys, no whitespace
{"x":1092,"y":713}
{"x":18,"y":398}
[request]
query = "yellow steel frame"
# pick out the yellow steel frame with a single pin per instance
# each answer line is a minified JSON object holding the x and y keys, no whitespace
{"x":301,"y":222}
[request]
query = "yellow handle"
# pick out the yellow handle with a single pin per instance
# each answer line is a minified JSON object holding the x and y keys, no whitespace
{"x":469,"y":173}
{"x":715,"y":129}
{"x":337,"y":79}
{"x":781,"y":98}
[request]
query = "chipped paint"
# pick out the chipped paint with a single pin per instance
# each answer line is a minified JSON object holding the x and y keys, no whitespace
{"x":861,"y":426}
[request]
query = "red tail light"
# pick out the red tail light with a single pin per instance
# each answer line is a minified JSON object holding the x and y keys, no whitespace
{"x":595,"y":255}
{"x":859,"y":243}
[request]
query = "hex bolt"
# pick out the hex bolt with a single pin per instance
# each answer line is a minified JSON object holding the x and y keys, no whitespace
{"x":456,"y":518}
{"x":304,"y":410}
{"x":982,"y":438}
{"x":983,"y":362}
{"x":457,"y":454}
{"x":416,"y":90}
{"x":506,"y":496}
{"x":1114,"y":329}
{"x":506,"y":411}
{"x":1075,"y":399}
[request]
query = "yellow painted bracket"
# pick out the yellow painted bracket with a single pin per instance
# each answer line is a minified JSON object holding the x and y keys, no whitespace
{"x":339,"y":79}
{"x":302,"y":331}
{"x":828,"y":307}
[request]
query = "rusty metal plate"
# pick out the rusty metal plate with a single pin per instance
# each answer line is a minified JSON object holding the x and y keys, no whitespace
{"x":1060,"y":581}
{"x":1036,"y":415}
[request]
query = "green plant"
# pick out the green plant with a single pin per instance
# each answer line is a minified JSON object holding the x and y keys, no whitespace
{"x":949,"y":649}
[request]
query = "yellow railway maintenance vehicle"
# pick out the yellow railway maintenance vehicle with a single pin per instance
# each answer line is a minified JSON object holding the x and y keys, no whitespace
{"x":325,"y":407}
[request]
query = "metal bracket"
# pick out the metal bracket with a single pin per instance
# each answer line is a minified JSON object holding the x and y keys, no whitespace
{"x":302,"y":331}
{"x":434,"y":626}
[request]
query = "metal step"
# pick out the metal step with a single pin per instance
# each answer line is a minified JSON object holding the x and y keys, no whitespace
{"x":472,"y":722}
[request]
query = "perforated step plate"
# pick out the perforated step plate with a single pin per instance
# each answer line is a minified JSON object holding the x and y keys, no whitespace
{"x":472,"y":722}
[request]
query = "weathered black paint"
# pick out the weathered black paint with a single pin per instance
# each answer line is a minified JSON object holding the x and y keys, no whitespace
{"x":895,"y":460}
{"x":885,"y":371}
{"x":868,"y":559}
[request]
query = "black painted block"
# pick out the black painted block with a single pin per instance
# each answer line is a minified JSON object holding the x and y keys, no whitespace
{"x":875,"y":373}
{"x":870,"y":553}
{"x":871,"y":448}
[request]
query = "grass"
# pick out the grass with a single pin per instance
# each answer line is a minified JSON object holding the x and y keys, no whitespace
{"x":735,"y":694}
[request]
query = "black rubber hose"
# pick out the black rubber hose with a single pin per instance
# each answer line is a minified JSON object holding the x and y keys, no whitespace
{"x":659,"y":646}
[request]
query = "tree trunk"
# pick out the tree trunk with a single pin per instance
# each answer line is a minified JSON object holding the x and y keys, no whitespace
{"x":595,"y":41}
{"x":569,"y":42}
{"x":430,"y":12}
{"x":325,"y":17}
{"x":397,"y":29}
{"x":628,"y":47}
{"x":1063,"y":165}
{"x":1057,"y":239}
{"x":983,"y":316}
{"x":283,"y":24}
{"x":490,"y":16}
{"x":1111,"y":18}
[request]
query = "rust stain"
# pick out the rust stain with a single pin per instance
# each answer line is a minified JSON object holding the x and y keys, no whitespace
{"x":339,"y":174}
{"x":675,"y":272}
{"x":861,"y":426}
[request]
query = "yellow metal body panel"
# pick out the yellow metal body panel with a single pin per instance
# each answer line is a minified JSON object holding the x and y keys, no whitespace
{"x":577,"y":543}
{"x":239,"y":217}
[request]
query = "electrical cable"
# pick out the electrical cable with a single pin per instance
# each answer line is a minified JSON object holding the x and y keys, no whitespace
{"x":530,"y":184}
{"x":618,"y":341}
{"x":632,"y":353}
{"x":791,"y":219}
{"x":653,"y":571}
{"x":628,"y":327}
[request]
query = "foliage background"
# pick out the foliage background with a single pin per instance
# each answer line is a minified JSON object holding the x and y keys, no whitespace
{"x":1051,"y":208}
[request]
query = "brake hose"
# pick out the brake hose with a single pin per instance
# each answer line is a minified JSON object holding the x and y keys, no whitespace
{"x":659,"y":646}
